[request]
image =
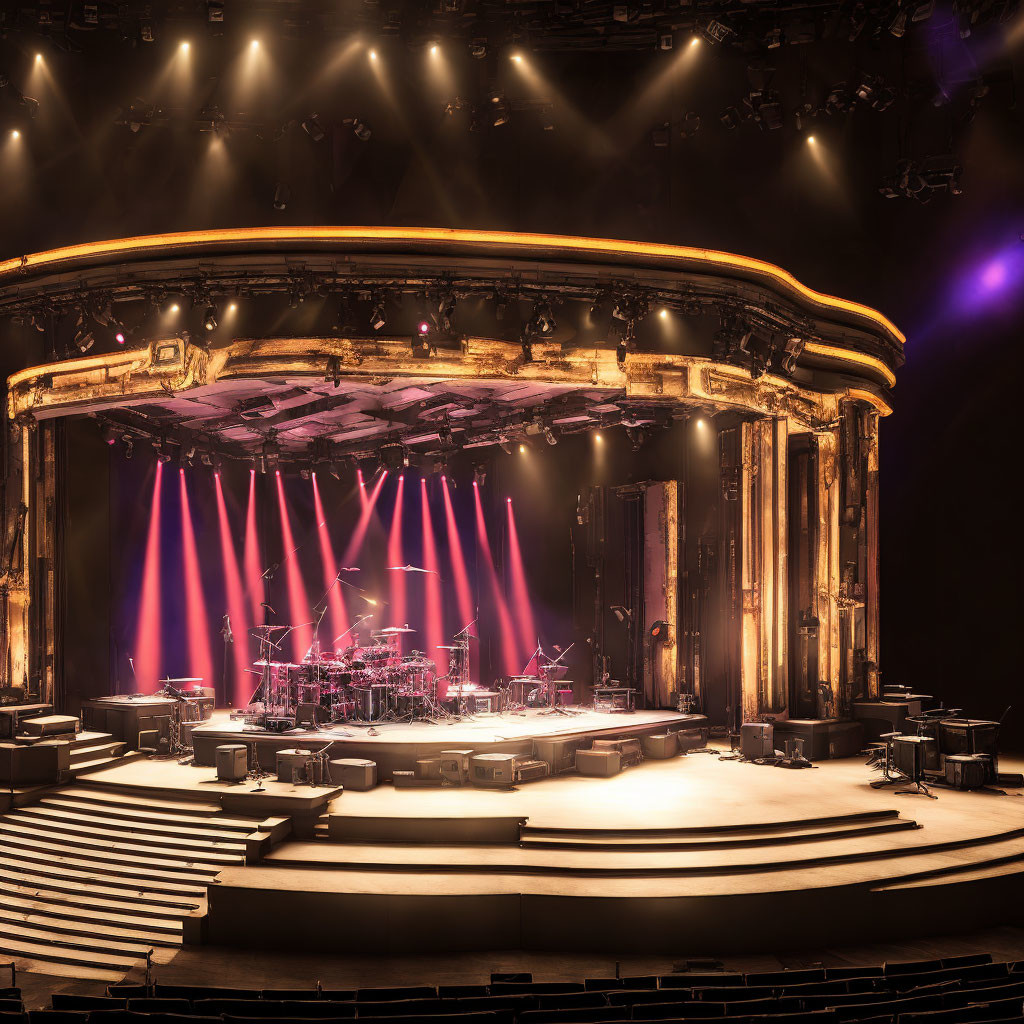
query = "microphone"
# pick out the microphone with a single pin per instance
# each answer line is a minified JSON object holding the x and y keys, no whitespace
{"x":263,"y":604}
{"x":269,"y":573}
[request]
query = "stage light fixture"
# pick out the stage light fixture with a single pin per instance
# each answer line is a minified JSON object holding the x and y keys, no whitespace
{"x":522,"y":449}
{"x":549,"y":436}
{"x":663,"y":313}
{"x":129,"y":445}
{"x":506,"y":445}
{"x":517,"y":58}
{"x":210,"y":318}
{"x":39,"y":57}
{"x":254,"y":44}
{"x":184,"y":47}
{"x":543,"y":318}
{"x":479,"y":475}
{"x":313,"y":128}
{"x":109,"y":434}
{"x":810,"y":140}
{"x":434,"y":50}
{"x":15,"y":134}
{"x":161,"y":449}
{"x":378,"y":318}
{"x":281,"y":196}
{"x":373,"y":55}
{"x":304,"y":472}
{"x":173,"y":308}
{"x":599,"y":438}
{"x":120,"y":338}
{"x":233,"y":308}
{"x":636,"y":437}
{"x":700,"y":424}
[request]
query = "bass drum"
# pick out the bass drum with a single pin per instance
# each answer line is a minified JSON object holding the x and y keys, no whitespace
{"x":371,"y":701}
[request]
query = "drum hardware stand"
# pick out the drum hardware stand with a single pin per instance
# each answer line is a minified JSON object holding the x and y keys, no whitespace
{"x":229,"y":638}
{"x":554,"y":708}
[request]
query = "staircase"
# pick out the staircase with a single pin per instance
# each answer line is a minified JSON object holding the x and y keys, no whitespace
{"x":93,"y":879}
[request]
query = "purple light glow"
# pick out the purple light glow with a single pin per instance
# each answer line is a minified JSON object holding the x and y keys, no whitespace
{"x":996,"y":281}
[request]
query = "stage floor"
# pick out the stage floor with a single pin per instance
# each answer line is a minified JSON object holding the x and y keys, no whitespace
{"x":398,"y":745}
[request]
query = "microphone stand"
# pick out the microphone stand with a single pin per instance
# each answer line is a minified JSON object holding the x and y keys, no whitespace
{"x":225,"y":632}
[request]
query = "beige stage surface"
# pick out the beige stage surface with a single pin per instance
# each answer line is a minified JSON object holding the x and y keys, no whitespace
{"x":682,"y":854}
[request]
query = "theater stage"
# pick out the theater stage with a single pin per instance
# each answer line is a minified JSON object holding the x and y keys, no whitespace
{"x":695,"y":854}
{"x":398,"y":745}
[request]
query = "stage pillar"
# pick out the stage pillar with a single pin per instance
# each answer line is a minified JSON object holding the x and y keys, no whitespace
{"x":661,"y":590}
{"x":826,"y":570}
{"x":764,"y":665}
{"x":869,"y":420}
{"x":27,"y":571}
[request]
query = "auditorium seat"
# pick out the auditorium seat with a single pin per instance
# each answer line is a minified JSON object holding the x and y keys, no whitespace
{"x":458,"y":991}
{"x":603,"y":984}
{"x":780,"y":978}
{"x":571,"y":1000}
{"x":535,"y":987}
{"x":698,"y":980}
{"x":581,"y":1016}
{"x":194,"y":992}
{"x":273,"y":1008}
{"x":378,"y":995}
{"x":58,"y":1016}
{"x":10,"y":993}
{"x":73,"y":1001}
{"x":156,"y":1004}
{"x":832,"y":973}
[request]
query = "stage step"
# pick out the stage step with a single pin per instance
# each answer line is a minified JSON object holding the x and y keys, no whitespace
{"x":598,"y":840}
{"x":107,"y":794}
{"x":87,"y":909}
{"x":117,"y":858}
{"x":56,"y":819}
{"x":92,"y":879}
{"x":110,"y":750}
{"x":211,"y":853}
{"x":69,"y":883}
{"x":71,"y":930}
{"x":157,"y":816}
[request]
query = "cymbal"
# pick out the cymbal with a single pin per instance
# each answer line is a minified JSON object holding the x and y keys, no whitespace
{"x":396,"y":629}
{"x":450,"y":647}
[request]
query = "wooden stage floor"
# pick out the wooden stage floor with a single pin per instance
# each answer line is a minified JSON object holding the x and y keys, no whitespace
{"x":692,"y":854}
{"x":698,"y":854}
{"x":398,"y":745}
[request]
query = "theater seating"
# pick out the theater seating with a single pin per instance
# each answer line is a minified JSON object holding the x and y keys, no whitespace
{"x":969,"y":989}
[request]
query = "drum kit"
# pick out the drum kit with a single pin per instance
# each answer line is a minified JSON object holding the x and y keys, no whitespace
{"x":355,"y":684}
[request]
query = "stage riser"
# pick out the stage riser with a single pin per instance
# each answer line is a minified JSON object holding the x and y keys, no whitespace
{"x":397,"y":924}
{"x":349,"y":829}
{"x":402,"y":755}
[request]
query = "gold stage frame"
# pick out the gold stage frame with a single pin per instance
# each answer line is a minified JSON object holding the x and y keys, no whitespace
{"x":839,"y":409}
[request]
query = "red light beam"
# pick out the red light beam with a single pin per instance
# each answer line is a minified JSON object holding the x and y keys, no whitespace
{"x":298,"y":603}
{"x":200,"y":661}
{"x":147,"y":630}
{"x":240,"y":691}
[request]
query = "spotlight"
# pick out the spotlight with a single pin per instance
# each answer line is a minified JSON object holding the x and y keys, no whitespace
{"x":479,"y":475}
{"x":423,"y":328}
{"x":506,"y":445}
{"x":281,"y":195}
{"x":304,"y":472}
{"x":700,"y":424}
{"x":109,"y":434}
{"x":810,"y":140}
{"x":663,"y":313}
{"x":598,"y":438}
{"x":84,"y":339}
{"x":173,"y":308}
{"x":183,"y":47}
{"x":360,"y":128}
{"x":313,"y":128}
{"x":636,"y":437}
{"x":517,"y":58}
{"x":210,"y":318}
{"x":373,"y":55}
{"x":161,"y":449}
{"x":522,"y":449}
{"x":377,"y":318}
{"x":549,"y":436}
{"x":39,"y":57}
{"x":254,"y":45}
{"x":434,"y":50}
{"x":120,"y":338}
{"x":543,"y":318}
{"x":695,"y":41}
{"x":15,"y":134}
{"x":233,"y":308}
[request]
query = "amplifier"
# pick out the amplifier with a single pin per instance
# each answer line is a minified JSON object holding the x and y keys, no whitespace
{"x":429,"y":768}
{"x":528,"y":771}
{"x":559,"y":753}
{"x":291,"y":765}
{"x":630,"y":749}
{"x":757,"y":739}
{"x":910,"y":755}
{"x":661,"y":745}
{"x":496,"y":770}
{"x":599,"y":763}
{"x":455,"y":766}
{"x":966,"y":771}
